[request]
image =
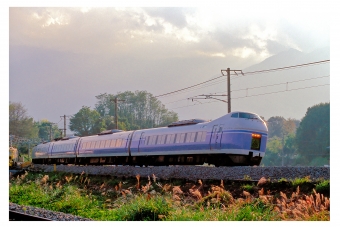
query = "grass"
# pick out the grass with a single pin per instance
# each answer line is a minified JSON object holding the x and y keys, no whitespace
{"x":148,"y":199}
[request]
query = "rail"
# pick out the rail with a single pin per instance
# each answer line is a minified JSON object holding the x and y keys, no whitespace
{"x":18,"y":216}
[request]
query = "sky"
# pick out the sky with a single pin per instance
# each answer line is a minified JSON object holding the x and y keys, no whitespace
{"x":60,"y":58}
{"x":61,"y":55}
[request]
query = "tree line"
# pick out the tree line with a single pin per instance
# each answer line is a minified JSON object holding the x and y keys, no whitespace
{"x":291,"y":142}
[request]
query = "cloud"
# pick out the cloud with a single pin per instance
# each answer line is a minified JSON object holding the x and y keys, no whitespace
{"x":173,"y":15}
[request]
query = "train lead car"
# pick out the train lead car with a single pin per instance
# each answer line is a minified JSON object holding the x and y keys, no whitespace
{"x":235,"y":139}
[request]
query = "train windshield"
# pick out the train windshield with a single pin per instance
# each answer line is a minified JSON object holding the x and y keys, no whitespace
{"x":244,"y":115}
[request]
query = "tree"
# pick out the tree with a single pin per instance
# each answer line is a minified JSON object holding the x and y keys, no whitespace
{"x":47,"y":130}
{"x":280,"y":127}
{"x":313,"y":134}
{"x":87,"y":122}
{"x":20,"y":124}
{"x":139,"y":110}
{"x":273,"y":151}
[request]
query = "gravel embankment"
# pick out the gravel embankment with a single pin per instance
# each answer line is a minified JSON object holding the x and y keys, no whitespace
{"x":197,"y":172}
{"x":55,"y":216}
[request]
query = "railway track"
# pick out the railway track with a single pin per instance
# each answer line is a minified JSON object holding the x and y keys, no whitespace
{"x":18,"y":216}
{"x":195,"y":172}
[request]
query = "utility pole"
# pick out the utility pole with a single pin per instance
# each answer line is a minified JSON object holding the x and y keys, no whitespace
{"x":116,"y":100}
{"x":228,"y":85}
{"x":64,"y":125}
{"x":228,"y":92}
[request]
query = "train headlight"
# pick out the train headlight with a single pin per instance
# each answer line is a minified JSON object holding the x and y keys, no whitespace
{"x":254,"y":135}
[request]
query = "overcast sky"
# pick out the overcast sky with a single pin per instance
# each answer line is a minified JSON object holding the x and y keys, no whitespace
{"x":61,"y":58}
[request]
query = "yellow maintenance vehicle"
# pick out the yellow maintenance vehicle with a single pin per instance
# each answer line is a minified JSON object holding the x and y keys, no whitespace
{"x":15,"y":161}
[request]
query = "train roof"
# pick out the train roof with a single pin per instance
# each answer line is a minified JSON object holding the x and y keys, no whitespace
{"x":187,"y":122}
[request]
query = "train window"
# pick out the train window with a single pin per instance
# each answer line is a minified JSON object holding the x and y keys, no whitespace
{"x":119,"y":143}
{"x":107,"y":143}
{"x":248,"y":115}
{"x":88,"y":145}
{"x":160,"y":139}
{"x":147,"y":140}
{"x":156,"y":138}
{"x":172,"y":138}
{"x":102,"y":144}
{"x":153,"y":140}
{"x":168,"y":138}
{"x":188,"y":136}
{"x":93,"y":143}
{"x":177,"y":137}
{"x":113,"y":143}
{"x":234,"y":115}
{"x":182,"y":137}
{"x":192,"y":137}
{"x":204,"y":134}
{"x":198,"y":137}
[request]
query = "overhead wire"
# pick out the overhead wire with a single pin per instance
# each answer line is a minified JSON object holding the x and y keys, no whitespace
{"x":255,"y":95}
{"x":243,"y":89}
{"x":245,"y":74}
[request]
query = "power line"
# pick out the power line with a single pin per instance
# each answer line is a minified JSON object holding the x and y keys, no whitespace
{"x":243,"y":89}
{"x":255,"y":95}
{"x":287,"y":67}
{"x":187,"y":87}
{"x":270,"y":85}
{"x":247,"y":74}
{"x":281,"y":91}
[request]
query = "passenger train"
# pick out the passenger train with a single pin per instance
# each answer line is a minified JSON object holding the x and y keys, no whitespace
{"x":235,"y":139}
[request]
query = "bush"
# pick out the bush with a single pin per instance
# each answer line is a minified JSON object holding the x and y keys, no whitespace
{"x":143,"y":208}
{"x":323,"y":187}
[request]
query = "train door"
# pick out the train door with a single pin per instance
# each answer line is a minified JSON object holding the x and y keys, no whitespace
{"x":127,"y":143}
{"x":141,"y":140}
{"x":216,"y":136}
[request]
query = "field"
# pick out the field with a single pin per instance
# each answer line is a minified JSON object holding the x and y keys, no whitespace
{"x":107,"y":198}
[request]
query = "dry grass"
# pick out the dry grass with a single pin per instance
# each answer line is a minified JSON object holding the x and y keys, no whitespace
{"x":301,"y":207}
{"x":296,"y":206}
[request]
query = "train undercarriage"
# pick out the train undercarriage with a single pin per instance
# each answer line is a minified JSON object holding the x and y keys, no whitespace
{"x":159,"y":160}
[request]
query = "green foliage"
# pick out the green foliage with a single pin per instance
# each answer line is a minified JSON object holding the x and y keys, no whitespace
{"x":300,"y":181}
{"x":248,"y":188}
{"x":143,"y":209}
{"x":323,"y":187}
{"x":274,"y":145}
{"x":20,"y":124}
{"x":278,"y":126}
{"x":319,"y":161}
{"x":87,"y":122}
{"x":313,"y":134}
{"x":45,"y":128}
{"x":255,"y":211}
{"x":139,"y":110}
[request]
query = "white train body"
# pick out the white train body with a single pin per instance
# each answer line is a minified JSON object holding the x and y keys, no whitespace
{"x":238,"y":138}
